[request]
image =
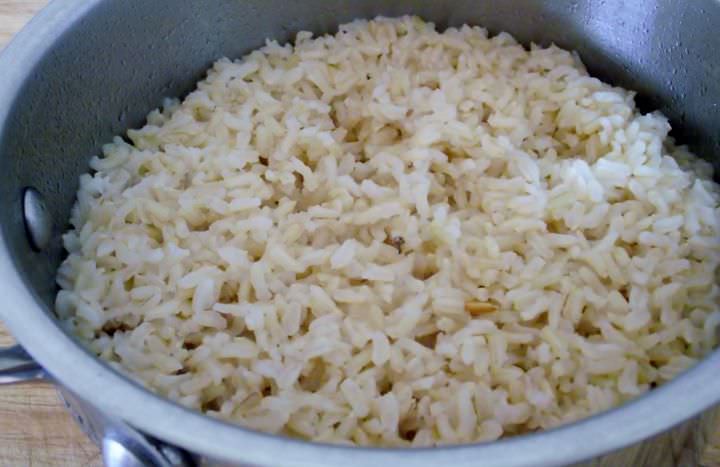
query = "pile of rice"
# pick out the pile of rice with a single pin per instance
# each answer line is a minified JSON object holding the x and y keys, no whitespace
{"x":395,"y":236}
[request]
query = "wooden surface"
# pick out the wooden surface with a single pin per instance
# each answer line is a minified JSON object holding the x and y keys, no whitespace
{"x":35,"y":429}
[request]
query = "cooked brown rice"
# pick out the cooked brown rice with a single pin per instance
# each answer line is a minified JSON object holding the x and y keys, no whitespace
{"x":396,"y":236}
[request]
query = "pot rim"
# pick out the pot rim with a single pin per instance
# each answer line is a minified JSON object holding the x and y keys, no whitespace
{"x":97,"y":383}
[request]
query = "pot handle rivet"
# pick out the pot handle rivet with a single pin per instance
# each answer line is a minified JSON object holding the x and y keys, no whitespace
{"x":38,"y":223}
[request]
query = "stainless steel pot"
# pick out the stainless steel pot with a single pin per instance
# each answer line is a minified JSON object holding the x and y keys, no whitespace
{"x":83,"y":71}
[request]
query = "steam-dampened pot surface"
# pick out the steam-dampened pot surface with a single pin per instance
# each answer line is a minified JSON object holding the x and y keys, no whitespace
{"x":698,"y":23}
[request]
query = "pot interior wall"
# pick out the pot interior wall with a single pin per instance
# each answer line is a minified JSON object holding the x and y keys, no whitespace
{"x":110,"y":68}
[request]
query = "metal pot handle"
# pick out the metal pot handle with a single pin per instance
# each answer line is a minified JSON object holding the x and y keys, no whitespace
{"x":122,"y":446}
{"x":17,"y":366}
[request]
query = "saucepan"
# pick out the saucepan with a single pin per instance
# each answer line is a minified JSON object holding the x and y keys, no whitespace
{"x":85,"y":70}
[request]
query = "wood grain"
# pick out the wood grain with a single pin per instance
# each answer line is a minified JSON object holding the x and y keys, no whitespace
{"x":711,"y":455}
{"x":35,"y":429}
{"x":14,"y":14}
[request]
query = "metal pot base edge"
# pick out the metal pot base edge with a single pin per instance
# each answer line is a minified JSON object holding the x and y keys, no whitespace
{"x":682,"y":446}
